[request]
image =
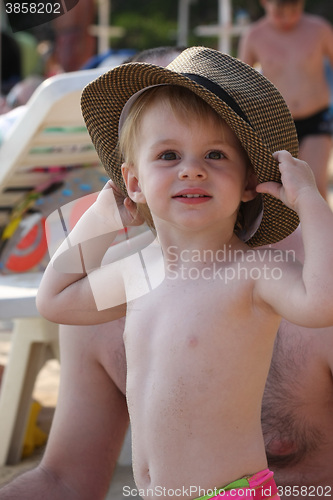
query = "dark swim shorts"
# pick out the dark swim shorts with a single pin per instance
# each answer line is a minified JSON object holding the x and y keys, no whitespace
{"x":320,"y":123}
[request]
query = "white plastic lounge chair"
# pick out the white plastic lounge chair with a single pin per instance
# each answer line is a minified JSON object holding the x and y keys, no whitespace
{"x":49,"y":134}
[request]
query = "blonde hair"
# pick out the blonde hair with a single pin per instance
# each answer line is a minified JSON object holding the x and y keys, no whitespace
{"x":186,"y":105}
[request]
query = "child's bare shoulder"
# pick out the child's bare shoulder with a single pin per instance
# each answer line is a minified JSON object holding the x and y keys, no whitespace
{"x":271,"y":254}
{"x":267,"y":262}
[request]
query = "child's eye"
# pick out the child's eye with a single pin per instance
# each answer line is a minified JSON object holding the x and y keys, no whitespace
{"x":215,"y":155}
{"x":169,"y":156}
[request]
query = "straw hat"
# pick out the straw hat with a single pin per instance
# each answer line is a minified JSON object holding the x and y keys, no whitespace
{"x":248,"y":102}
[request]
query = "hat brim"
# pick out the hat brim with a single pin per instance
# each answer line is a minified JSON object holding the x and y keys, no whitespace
{"x":102,"y":103}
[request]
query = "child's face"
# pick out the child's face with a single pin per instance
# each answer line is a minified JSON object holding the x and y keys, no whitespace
{"x":192,"y":173}
{"x":283,"y":17}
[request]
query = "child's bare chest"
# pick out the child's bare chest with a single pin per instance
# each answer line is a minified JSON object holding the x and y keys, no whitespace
{"x":186,"y":319}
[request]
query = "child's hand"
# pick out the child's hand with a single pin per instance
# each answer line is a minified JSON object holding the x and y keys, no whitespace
{"x":125,"y":206}
{"x":297,"y":180}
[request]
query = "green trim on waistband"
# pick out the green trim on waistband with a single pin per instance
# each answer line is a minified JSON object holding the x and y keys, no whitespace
{"x":240,"y":483}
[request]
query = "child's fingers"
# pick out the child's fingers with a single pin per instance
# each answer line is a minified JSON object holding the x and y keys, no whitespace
{"x":272,"y":188}
{"x":282,"y":155}
{"x":115,"y":188}
{"x":119,"y":197}
{"x":131,"y":208}
{"x":109,"y":185}
{"x":295,"y":168}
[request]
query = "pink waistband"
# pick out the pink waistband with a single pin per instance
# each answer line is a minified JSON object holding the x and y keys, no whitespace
{"x":261,"y":486}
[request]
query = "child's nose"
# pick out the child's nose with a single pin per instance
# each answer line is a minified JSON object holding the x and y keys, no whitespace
{"x":192,"y":169}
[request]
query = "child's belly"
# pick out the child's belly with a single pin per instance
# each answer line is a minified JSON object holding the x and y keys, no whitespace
{"x":193,"y":423}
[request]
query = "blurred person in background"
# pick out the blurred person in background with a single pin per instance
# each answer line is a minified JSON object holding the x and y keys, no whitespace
{"x":292,"y":47}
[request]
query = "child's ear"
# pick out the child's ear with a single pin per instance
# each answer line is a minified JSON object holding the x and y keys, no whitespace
{"x":250,"y":187}
{"x":132,"y":183}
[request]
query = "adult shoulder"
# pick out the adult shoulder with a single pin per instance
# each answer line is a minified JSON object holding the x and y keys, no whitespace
{"x":314,"y":20}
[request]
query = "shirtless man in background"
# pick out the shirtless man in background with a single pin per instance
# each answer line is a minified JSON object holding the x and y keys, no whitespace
{"x":297,"y":412}
{"x":291,"y":47}
{"x":74,"y":44}
{"x":297,"y":407}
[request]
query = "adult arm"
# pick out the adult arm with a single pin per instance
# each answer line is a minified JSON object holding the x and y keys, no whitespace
{"x":89,"y":424}
{"x":246,"y":51}
{"x":327,"y":33}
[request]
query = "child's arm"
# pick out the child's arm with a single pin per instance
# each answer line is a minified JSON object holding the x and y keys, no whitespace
{"x":65,"y":294}
{"x":303,"y":295}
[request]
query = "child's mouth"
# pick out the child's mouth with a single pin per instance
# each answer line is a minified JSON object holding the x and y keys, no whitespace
{"x":194,"y":198}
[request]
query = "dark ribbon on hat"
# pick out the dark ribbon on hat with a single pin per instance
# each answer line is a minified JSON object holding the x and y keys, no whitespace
{"x":219,"y":92}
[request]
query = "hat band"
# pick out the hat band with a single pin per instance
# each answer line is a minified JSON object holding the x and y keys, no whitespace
{"x":219,"y":92}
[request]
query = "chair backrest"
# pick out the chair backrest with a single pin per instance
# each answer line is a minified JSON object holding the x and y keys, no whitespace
{"x":48,"y":143}
{"x":50,"y":133}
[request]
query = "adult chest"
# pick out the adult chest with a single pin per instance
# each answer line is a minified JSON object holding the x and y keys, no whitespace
{"x":297,"y":406}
